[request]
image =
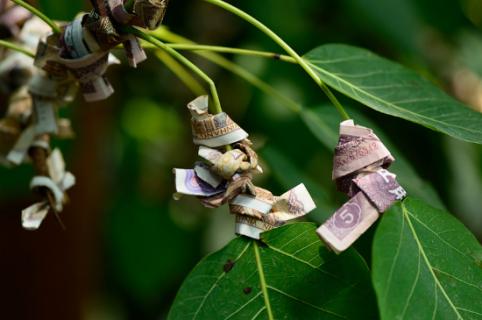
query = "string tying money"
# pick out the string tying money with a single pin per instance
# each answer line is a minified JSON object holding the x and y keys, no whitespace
{"x":225,"y":175}
{"x":359,"y":169}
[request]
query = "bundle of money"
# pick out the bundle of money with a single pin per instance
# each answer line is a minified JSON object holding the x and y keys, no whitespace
{"x":75,"y":62}
{"x":33,"y":100}
{"x":359,"y":168}
{"x":57,"y":182}
{"x":30,"y":118}
{"x":226,"y":172}
{"x":80,"y":54}
{"x":84,"y":44}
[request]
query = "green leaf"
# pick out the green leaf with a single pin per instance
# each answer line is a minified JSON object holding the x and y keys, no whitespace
{"x":324,"y":122}
{"x":426,"y":265}
{"x":393,"y":89}
{"x":290,"y":276}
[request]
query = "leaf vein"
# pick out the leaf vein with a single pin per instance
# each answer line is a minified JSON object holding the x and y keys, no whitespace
{"x":422,"y":252}
{"x":305,"y":303}
{"x":303,"y":261}
{"x":217,"y":281}
{"x":243,"y":306}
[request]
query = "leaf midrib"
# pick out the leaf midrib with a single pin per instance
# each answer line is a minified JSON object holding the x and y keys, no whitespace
{"x":262,"y":280}
{"x":265,"y":286}
{"x":217,"y":281}
{"x":406,"y":214}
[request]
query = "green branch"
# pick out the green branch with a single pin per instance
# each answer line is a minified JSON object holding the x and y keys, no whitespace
{"x":184,"y":76}
{"x":166,"y":35}
{"x":263,"y":28}
{"x":247,"y":52}
{"x":216,"y":107}
{"x":36,"y":12}
{"x":13,"y":46}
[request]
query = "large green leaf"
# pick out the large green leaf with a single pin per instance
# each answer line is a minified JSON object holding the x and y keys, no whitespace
{"x":289,"y":275}
{"x":426,"y":265}
{"x":393,"y":89}
{"x":324,"y":122}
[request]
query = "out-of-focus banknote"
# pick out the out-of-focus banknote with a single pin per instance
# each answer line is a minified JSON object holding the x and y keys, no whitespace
{"x":213,"y":130}
{"x":188,"y":183}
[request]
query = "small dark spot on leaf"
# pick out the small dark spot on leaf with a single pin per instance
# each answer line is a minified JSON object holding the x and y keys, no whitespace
{"x":228,"y":265}
{"x":276,"y":56}
{"x":247,"y":290}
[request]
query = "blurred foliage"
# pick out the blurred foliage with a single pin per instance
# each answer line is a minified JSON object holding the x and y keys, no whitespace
{"x":149,"y":243}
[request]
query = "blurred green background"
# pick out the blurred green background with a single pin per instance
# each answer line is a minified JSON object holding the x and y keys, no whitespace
{"x":128,"y":245}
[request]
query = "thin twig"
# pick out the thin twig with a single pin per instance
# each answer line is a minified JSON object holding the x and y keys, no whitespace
{"x":277,"y":39}
{"x":248,"y":52}
{"x":166,"y":35}
{"x":13,"y":46}
{"x":216,"y":106}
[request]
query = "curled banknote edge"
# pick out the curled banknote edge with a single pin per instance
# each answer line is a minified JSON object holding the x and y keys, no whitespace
{"x":57,"y":183}
{"x":263,"y":212}
{"x":359,"y":168}
{"x":189,"y":183}
{"x":33,"y":216}
{"x":213,"y":130}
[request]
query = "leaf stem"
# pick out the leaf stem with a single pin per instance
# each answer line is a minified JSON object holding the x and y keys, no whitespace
{"x":216,"y":107}
{"x":184,"y":76}
{"x":230,"y":66}
{"x":277,"y":39}
{"x":262,"y":280}
{"x":13,"y":46}
{"x":256,"y":53}
{"x":35,"y":11}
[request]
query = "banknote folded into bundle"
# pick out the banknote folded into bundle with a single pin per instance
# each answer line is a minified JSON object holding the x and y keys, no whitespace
{"x":12,"y":18}
{"x":359,"y":169}
{"x":255,"y":214}
{"x":33,"y":103}
{"x":16,"y":68}
{"x":215,"y":177}
{"x":225,"y":175}
{"x":84,"y":44}
{"x":213,"y":131}
{"x":56,"y":183}
{"x":146,"y":13}
{"x":87,"y":69}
